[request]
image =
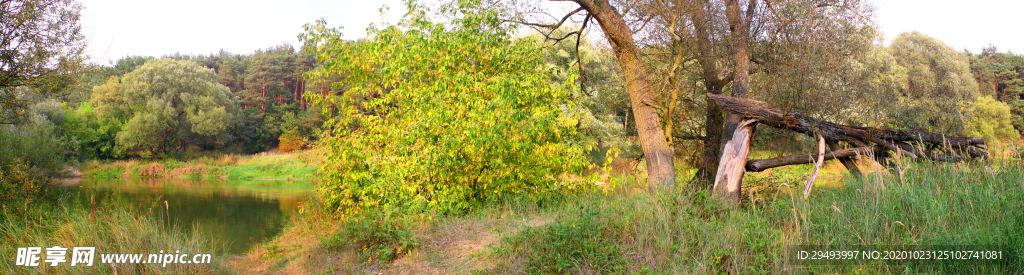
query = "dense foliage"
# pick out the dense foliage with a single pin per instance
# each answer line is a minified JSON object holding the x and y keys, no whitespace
{"x":441,"y":116}
{"x":167,"y":103}
{"x":41,"y":47}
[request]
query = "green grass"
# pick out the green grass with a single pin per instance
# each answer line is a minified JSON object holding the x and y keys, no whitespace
{"x":691,"y":232}
{"x":109,"y":230}
{"x":298,"y":165}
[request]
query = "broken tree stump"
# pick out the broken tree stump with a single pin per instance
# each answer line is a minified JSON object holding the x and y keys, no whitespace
{"x":734,"y":159}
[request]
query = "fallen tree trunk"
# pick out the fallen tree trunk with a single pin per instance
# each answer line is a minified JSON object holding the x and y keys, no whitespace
{"x":895,"y":140}
{"x":759,"y":165}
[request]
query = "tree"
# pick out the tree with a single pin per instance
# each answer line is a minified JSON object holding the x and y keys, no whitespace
{"x":167,"y":101}
{"x":1001,"y":75}
{"x":657,"y":152}
{"x":939,"y":83}
{"x":40,"y":46}
{"x":440,"y":117}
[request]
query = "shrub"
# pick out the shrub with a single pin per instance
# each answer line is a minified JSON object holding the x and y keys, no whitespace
{"x":441,"y":117}
{"x":291,"y":141}
{"x":991,"y":119}
{"x":19,"y":186}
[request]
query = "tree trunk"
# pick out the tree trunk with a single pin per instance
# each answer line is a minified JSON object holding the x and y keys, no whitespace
{"x":658,"y":154}
{"x":713,"y":83}
{"x":729,"y":178}
{"x":817,"y":167}
{"x":739,"y":38}
{"x":708,"y":164}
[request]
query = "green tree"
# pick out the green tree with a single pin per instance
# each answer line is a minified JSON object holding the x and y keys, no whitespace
{"x":939,"y":83}
{"x":440,"y":116}
{"x":40,"y":46}
{"x":167,"y":102}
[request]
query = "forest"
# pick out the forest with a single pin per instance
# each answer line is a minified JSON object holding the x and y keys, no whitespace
{"x":585,"y":142}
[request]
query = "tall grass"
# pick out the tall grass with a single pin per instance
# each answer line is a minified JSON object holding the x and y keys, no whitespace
{"x":109,"y":230}
{"x":692,"y":232}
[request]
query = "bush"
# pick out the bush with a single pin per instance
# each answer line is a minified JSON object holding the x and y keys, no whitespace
{"x":38,"y":146}
{"x":421,"y":128}
{"x":19,"y":186}
{"x":291,"y":141}
{"x":991,"y":119}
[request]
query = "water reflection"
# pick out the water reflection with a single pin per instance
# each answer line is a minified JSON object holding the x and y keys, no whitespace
{"x":237,"y":212}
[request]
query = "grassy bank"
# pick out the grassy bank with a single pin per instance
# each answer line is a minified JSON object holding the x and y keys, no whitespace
{"x":295,"y":165}
{"x":626,"y":230}
{"x":925,"y":204}
{"x":109,"y":230}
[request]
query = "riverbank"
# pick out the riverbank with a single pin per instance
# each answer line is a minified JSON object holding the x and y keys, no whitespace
{"x":108,"y":230}
{"x":296,"y":165}
{"x":625,"y":230}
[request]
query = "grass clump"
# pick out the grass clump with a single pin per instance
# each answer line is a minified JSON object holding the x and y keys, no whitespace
{"x":582,"y":245}
{"x":380,"y":238}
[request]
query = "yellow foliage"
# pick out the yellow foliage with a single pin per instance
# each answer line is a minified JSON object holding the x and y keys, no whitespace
{"x":991,"y":119}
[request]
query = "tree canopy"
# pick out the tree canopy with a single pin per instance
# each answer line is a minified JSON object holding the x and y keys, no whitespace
{"x":938,"y":80}
{"x":165,"y":102}
{"x":40,"y":46}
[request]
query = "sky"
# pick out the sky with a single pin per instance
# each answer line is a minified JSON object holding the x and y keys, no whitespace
{"x":969,"y":25}
{"x":119,"y":28}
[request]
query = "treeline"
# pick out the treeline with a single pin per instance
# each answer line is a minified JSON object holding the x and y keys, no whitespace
{"x":182,"y":104}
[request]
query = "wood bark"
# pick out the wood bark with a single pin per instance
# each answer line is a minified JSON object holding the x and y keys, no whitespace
{"x":729,"y":178}
{"x":657,"y":152}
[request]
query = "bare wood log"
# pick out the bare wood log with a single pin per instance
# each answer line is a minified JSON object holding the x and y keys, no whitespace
{"x":759,"y":165}
{"x":817,"y":167}
{"x":729,"y":178}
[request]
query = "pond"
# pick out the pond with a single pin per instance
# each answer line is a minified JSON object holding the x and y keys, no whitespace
{"x":238,"y":213}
